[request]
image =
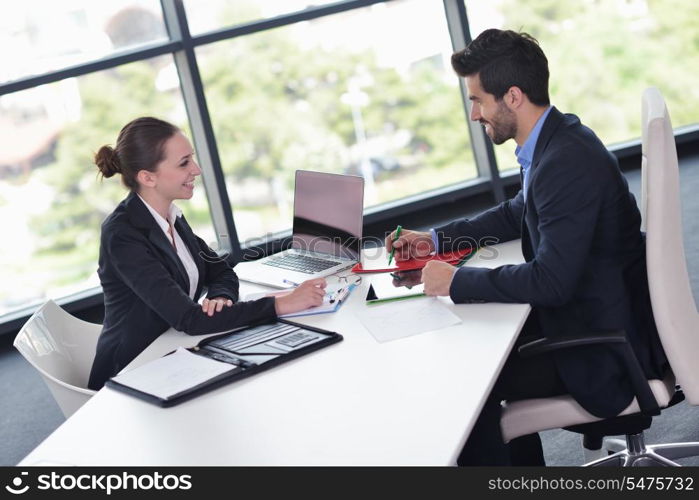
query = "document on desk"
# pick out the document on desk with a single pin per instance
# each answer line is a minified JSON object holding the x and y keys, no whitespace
{"x":335,"y":295}
{"x":174,"y":374}
{"x":395,"y":320}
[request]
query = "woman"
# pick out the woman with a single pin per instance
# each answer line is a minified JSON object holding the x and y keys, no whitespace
{"x":152,"y":267}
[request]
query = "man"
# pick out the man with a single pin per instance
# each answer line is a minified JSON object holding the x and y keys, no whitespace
{"x":581,"y":239}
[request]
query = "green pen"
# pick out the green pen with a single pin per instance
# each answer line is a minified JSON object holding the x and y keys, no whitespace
{"x":393,"y":250}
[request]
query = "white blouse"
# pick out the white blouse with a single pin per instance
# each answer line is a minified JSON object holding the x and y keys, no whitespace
{"x":181,"y":249}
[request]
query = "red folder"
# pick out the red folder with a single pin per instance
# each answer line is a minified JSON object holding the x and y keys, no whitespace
{"x":453,"y":258}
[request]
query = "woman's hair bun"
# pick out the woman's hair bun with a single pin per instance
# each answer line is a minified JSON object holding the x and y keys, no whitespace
{"x":107,"y":161}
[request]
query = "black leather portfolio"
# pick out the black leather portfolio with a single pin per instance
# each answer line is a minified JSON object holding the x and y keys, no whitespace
{"x":219,"y":360}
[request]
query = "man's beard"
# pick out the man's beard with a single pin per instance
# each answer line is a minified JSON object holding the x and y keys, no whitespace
{"x":503,"y":125}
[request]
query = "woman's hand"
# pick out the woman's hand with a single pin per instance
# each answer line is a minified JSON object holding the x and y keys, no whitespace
{"x":215,"y":304}
{"x":308,"y":294}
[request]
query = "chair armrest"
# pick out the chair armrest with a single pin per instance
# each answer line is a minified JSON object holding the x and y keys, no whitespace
{"x":646,"y":400}
{"x":543,"y":345}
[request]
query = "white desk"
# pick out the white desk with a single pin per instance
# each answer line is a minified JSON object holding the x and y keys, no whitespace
{"x":406,"y":402}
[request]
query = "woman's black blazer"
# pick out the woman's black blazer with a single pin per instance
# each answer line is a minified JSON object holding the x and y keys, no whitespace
{"x":146,"y":288}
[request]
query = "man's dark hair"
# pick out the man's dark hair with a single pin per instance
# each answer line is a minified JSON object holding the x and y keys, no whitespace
{"x":503,"y":59}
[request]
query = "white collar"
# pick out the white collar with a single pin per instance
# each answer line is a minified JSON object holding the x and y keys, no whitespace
{"x":172,"y":212}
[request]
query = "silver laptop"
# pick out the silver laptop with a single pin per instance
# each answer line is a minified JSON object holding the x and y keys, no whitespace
{"x":327,"y":232}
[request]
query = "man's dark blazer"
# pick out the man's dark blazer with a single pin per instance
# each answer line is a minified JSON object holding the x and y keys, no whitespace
{"x":146,"y":288}
{"x":585,"y":261}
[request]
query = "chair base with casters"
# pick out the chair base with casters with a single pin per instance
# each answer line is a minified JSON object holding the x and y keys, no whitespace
{"x":597,"y":445}
{"x":603,"y":451}
{"x":61,"y":348}
{"x":636,"y":453}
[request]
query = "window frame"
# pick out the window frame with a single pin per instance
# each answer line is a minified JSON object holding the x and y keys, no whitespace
{"x":181,"y":45}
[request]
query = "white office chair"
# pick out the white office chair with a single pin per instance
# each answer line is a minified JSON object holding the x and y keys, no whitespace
{"x":61,"y":347}
{"x":674,"y":310}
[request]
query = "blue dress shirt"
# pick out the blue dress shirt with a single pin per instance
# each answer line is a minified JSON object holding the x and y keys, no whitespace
{"x":525,"y":154}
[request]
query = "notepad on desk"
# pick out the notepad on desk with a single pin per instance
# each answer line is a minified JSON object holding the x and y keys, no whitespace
{"x":335,"y":296}
{"x":396,"y":320}
{"x":173,"y":375}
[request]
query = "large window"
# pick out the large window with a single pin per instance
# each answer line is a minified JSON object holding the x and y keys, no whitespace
{"x":208,"y":15}
{"x":356,"y":87}
{"x":51,"y":201}
{"x":356,"y":92}
{"x":38,"y":36}
{"x":603,"y":54}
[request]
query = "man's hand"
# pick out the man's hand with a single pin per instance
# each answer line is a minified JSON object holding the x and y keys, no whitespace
{"x":308,"y":294}
{"x":410,"y":244}
{"x":437,"y":277}
{"x":215,"y":304}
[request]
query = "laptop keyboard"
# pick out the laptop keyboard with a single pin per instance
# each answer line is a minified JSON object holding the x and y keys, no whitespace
{"x":264,"y":333}
{"x":301,"y":263}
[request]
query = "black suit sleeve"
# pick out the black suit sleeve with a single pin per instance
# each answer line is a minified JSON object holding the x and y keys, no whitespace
{"x":497,"y":225}
{"x":145,"y":274}
{"x":567,"y":202}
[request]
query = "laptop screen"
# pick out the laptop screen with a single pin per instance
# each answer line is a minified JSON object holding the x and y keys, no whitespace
{"x":328,"y":213}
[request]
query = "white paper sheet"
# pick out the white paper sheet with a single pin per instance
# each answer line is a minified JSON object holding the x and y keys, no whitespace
{"x":395,"y":320}
{"x":170,"y":375}
{"x":374,"y":259}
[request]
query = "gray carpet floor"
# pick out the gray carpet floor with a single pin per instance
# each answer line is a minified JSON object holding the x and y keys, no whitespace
{"x":29,"y":413}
